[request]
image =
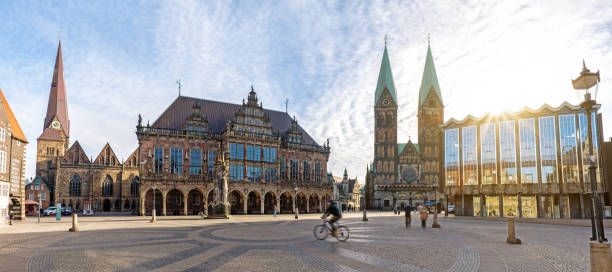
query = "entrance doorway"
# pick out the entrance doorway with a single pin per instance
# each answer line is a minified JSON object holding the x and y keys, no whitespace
{"x":106,"y":205}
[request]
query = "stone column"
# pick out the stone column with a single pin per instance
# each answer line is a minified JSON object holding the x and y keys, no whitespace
{"x":501,"y":205}
{"x":185,"y":204}
{"x":245,"y":204}
{"x":164,"y":204}
{"x":462,"y":205}
{"x":539,"y":199}
{"x":142,"y":206}
{"x":581,"y":206}
{"x":294,"y":200}
{"x":262,"y":204}
{"x":321,"y":204}
{"x":601,"y":258}
{"x":520,"y":205}
{"x":278,"y":204}
{"x":307,"y":205}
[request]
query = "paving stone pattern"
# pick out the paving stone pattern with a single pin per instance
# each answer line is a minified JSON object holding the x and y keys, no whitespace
{"x":381,"y":244}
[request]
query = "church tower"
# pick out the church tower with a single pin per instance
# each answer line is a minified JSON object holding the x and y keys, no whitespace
{"x":385,"y":125}
{"x":54,"y":140}
{"x":430,"y":117}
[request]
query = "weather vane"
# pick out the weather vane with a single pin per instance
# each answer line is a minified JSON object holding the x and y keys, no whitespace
{"x":386,"y":38}
{"x":428,"y":38}
{"x":180,"y":85}
{"x":286,"y":104}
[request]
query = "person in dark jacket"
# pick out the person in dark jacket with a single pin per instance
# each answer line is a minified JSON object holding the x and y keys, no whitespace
{"x":336,"y":214}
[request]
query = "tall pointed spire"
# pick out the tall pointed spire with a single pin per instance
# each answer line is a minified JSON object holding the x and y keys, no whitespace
{"x":430,"y":78}
{"x":58,"y":105}
{"x":385,"y":78}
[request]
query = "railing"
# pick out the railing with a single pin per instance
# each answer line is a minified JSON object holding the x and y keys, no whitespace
{"x":307,"y":147}
{"x":254,"y":135}
{"x":170,"y":131}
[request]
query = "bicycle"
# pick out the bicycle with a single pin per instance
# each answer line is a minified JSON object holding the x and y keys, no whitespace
{"x":322,"y":231}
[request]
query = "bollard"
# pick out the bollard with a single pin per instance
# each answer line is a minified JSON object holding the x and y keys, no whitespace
{"x":435,"y":220}
{"x":297,"y":216}
{"x":601,"y":258}
{"x":365,"y":215}
{"x":407,"y":215}
{"x":511,"y":233}
{"x":75,"y":226}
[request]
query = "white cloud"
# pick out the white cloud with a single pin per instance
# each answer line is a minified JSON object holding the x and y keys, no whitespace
{"x":323,"y":56}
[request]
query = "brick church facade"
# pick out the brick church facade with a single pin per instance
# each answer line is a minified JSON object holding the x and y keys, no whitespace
{"x":74,"y":179}
{"x":405,"y":173}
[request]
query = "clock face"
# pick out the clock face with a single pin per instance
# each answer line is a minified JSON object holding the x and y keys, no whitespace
{"x":386,"y":102}
{"x":409,"y":174}
{"x":55,"y":124}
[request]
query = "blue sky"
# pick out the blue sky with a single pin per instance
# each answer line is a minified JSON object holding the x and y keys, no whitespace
{"x":122,"y":58}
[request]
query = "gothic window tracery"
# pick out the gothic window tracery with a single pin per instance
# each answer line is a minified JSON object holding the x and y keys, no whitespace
{"x":107,"y":186}
{"x":75,"y":185}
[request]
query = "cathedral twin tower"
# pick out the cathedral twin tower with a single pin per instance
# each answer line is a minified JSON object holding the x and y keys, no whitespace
{"x":405,"y":172}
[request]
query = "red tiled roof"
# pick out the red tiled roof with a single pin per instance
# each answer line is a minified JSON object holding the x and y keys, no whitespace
{"x":17,"y":132}
{"x":217,"y":113}
{"x":58,"y":105}
{"x":50,"y":134}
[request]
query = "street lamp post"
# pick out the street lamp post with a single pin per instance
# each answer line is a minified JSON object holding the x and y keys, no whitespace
{"x":295,"y":203}
{"x":153,"y":219}
{"x":586,"y":80}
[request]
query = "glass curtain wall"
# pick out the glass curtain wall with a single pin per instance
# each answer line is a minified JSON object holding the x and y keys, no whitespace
{"x":584,"y":145}
{"x":477,"y":206}
{"x":470,"y":156}
{"x":510,"y":206}
{"x":529,"y":206}
{"x":488,"y":154}
{"x":548,"y":149}
{"x":492,"y":205}
{"x":451,"y":156}
{"x":507,"y":152}
{"x":527,"y":143}
{"x":569,"y":147}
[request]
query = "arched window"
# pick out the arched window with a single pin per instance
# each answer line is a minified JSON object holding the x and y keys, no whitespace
{"x":75,"y":185}
{"x":107,"y":186}
{"x":134,"y":187}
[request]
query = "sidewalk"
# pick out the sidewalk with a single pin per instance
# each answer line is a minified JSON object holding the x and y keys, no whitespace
{"x":546,"y":221}
{"x":49,"y":224}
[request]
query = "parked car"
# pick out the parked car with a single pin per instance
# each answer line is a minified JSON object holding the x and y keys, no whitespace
{"x":49,"y":211}
{"x":67,"y":211}
{"x":451,"y":208}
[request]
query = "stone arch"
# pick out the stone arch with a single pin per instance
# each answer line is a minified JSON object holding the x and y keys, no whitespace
{"x":174,"y":202}
{"x":270,"y":202}
{"x":106,"y":205}
{"x":149,"y":199}
{"x":313,"y":203}
{"x":286,"y":202}
{"x":107,"y":186}
{"x":300,"y":202}
{"x":236,"y":200}
{"x":253,"y":202}
{"x":75,"y":185}
{"x":195,"y":201}
{"x":127,"y":204}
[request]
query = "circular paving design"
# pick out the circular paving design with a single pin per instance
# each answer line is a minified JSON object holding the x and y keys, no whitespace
{"x":258,"y":233}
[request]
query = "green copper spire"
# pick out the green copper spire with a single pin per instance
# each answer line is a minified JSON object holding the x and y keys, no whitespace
{"x":385,"y":79}
{"x":430,"y":78}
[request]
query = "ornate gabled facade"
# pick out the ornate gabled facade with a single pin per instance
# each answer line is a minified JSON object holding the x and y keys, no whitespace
{"x":273,"y":163}
{"x":73,"y":180}
{"x":347,"y":193}
{"x":405,"y":172}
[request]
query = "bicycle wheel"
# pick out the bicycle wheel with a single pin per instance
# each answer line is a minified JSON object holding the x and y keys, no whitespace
{"x":320,"y":232}
{"x":343,"y":233}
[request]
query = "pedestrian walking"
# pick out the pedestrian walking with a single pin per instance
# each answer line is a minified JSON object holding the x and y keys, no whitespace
{"x":274,"y":212}
{"x":408,"y":210}
{"x":424,"y":216}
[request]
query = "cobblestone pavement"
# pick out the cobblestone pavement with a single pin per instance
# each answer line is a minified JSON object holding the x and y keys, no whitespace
{"x":281,"y":244}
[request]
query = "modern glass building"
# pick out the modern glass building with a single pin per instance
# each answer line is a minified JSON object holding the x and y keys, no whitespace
{"x":531,"y":163}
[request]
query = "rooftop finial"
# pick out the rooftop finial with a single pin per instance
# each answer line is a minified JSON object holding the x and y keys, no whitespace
{"x":386,"y":38}
{"x":428,"y":39}
{"x":286,"y":104}
{"x":180,"y":85}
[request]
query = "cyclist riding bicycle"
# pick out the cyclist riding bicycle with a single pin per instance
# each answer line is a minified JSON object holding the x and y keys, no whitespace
{"x":336,"y":214}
